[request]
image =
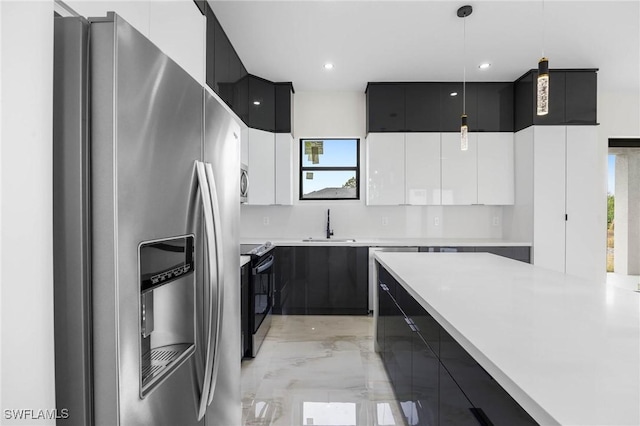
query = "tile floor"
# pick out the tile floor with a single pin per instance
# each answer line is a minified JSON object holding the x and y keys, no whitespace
{"x":318,"y":370}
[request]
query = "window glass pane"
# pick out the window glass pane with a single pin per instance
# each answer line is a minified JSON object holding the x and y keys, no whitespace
{"x":328,"y":184}
{"x":329,"y":152}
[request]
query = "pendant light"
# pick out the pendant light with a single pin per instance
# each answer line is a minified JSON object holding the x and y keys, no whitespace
{"x":542,"y":91}
{"x":463,"y":12}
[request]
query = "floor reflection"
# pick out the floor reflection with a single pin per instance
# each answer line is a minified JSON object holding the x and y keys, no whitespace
{"x":318,"y":370}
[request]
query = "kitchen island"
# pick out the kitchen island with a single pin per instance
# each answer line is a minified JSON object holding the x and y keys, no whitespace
{"x":567,"y":350}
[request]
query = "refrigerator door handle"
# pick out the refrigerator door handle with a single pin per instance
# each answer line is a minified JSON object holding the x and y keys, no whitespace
{"x":207,"y":208}
{"x":220,"y":273}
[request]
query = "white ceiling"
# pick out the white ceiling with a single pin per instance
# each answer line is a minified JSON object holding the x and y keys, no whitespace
{"x":422,"y":40}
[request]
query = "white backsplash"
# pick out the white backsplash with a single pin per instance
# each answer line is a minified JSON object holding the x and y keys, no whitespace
{"x":355,"y":220}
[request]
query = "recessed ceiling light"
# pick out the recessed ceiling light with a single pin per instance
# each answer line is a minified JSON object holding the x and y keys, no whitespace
{"x":453,"y":94}
{"x":256,"y":102}
{"x":328,"y":66}
{"x":484,"y":65}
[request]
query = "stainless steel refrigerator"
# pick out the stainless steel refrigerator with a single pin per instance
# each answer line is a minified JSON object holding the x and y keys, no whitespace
{"x":146,"y":216}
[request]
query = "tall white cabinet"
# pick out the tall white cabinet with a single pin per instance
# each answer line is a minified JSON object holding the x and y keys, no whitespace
{"x":569,"y":200}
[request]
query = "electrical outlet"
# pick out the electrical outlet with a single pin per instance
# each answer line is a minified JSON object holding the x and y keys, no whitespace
{"x":436,"y":221}
{"x":265,"y":220}
{"x":385,"y":221}
{"x":496,"y":220}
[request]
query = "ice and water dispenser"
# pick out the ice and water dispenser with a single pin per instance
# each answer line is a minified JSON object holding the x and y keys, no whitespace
{"x":167,"y":307}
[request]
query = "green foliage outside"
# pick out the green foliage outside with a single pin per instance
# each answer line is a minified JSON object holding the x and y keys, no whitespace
{"x":351,"y":183}
{"x":610,"y":204}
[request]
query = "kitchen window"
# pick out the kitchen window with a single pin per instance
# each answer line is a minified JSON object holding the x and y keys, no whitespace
{"x":329,"y":169}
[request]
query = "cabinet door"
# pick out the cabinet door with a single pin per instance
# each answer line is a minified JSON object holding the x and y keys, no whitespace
{"x":261,"y":148}
{"x":425,"y":383}
{"x":451,"y":106}
{"x":385,"y":168}
{"x":459,"y":170}
{"x":284,"y":168}
{"x":422,"y":107}
{"x":557,"y":91}
{"x":297,"y":298}
{"x":480,"y":388}
{"x":347,"y":288}
{"x":283,"y":107}
{"x":585,"y":249}
{"x":262,"y":104}
{"x":581,"y":97}
{"x":317,"y":280}
{"x":495,"y":169}
{"x":385,"y":108}
{"x":454,"y":408}
{"x":495,"y":107}
{"x":422,"y":174}
{"x":222,"y":59}
{"x":284,"y":269}
{"x":549,"y":197}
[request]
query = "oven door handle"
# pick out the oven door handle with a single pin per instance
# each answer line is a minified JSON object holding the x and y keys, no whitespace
{"x":263,"y":266}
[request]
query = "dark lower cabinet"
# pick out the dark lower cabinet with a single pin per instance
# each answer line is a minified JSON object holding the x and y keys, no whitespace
{"x":485,"y":394}
{"x":521,"y":253}
{"x":435,"y":380}
{"x":322,"y":280}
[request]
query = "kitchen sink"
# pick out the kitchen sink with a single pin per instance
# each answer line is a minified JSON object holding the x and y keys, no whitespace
{"x":331,"y":240}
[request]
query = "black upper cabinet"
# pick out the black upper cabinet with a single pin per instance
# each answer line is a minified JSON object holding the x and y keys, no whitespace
{"x":451,"y":106}
{"x":284,"y":107}
{"x":581,"y":99}
{"x":422,"y":107}
{"x":222,"y":53}
{"x":252,"y":98}
{"x":262,"y":104}
{"x":494,"y":107}
{"x":557,"y":94}
{"x":572,"y":98}
{"x":385,"y":107}
{"x":523,"y":102}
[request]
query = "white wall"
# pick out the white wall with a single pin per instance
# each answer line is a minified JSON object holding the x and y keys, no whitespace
{"x":177,"y":27}
{"x":342,"y":114}
{"x":26,"y":260}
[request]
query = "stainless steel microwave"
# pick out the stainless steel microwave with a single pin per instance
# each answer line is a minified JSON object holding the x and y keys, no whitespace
{"x":244,"y":183}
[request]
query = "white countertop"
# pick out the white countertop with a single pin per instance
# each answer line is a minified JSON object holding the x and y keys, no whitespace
{"x":567,"y":349}
{"x":244,"y":259}
{"x":389,"y":242}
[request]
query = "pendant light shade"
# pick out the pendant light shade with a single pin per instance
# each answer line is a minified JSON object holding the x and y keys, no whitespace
{"x":463,"y":12}
{"x":464,"y":133}
{"x":543,"y":87}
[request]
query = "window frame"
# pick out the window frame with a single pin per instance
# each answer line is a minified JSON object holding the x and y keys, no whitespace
{"x":302,"y":169}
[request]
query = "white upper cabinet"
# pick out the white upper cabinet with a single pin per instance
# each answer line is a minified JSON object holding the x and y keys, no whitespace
{"x":495,"y":168}
{"x":284,"y":169}
{"x":385,"y":169}
{"x":422,"y":172}
{"x":459,"y":170}
{"x":269,"y":157}
{"x":262,"y":167}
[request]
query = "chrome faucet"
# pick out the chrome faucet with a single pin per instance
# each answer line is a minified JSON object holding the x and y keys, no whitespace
{"x":329,"y":230}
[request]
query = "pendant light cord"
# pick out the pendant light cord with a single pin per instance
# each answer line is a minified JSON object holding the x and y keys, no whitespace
{"x":464,"y":65}
{"x":543,"y":28}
